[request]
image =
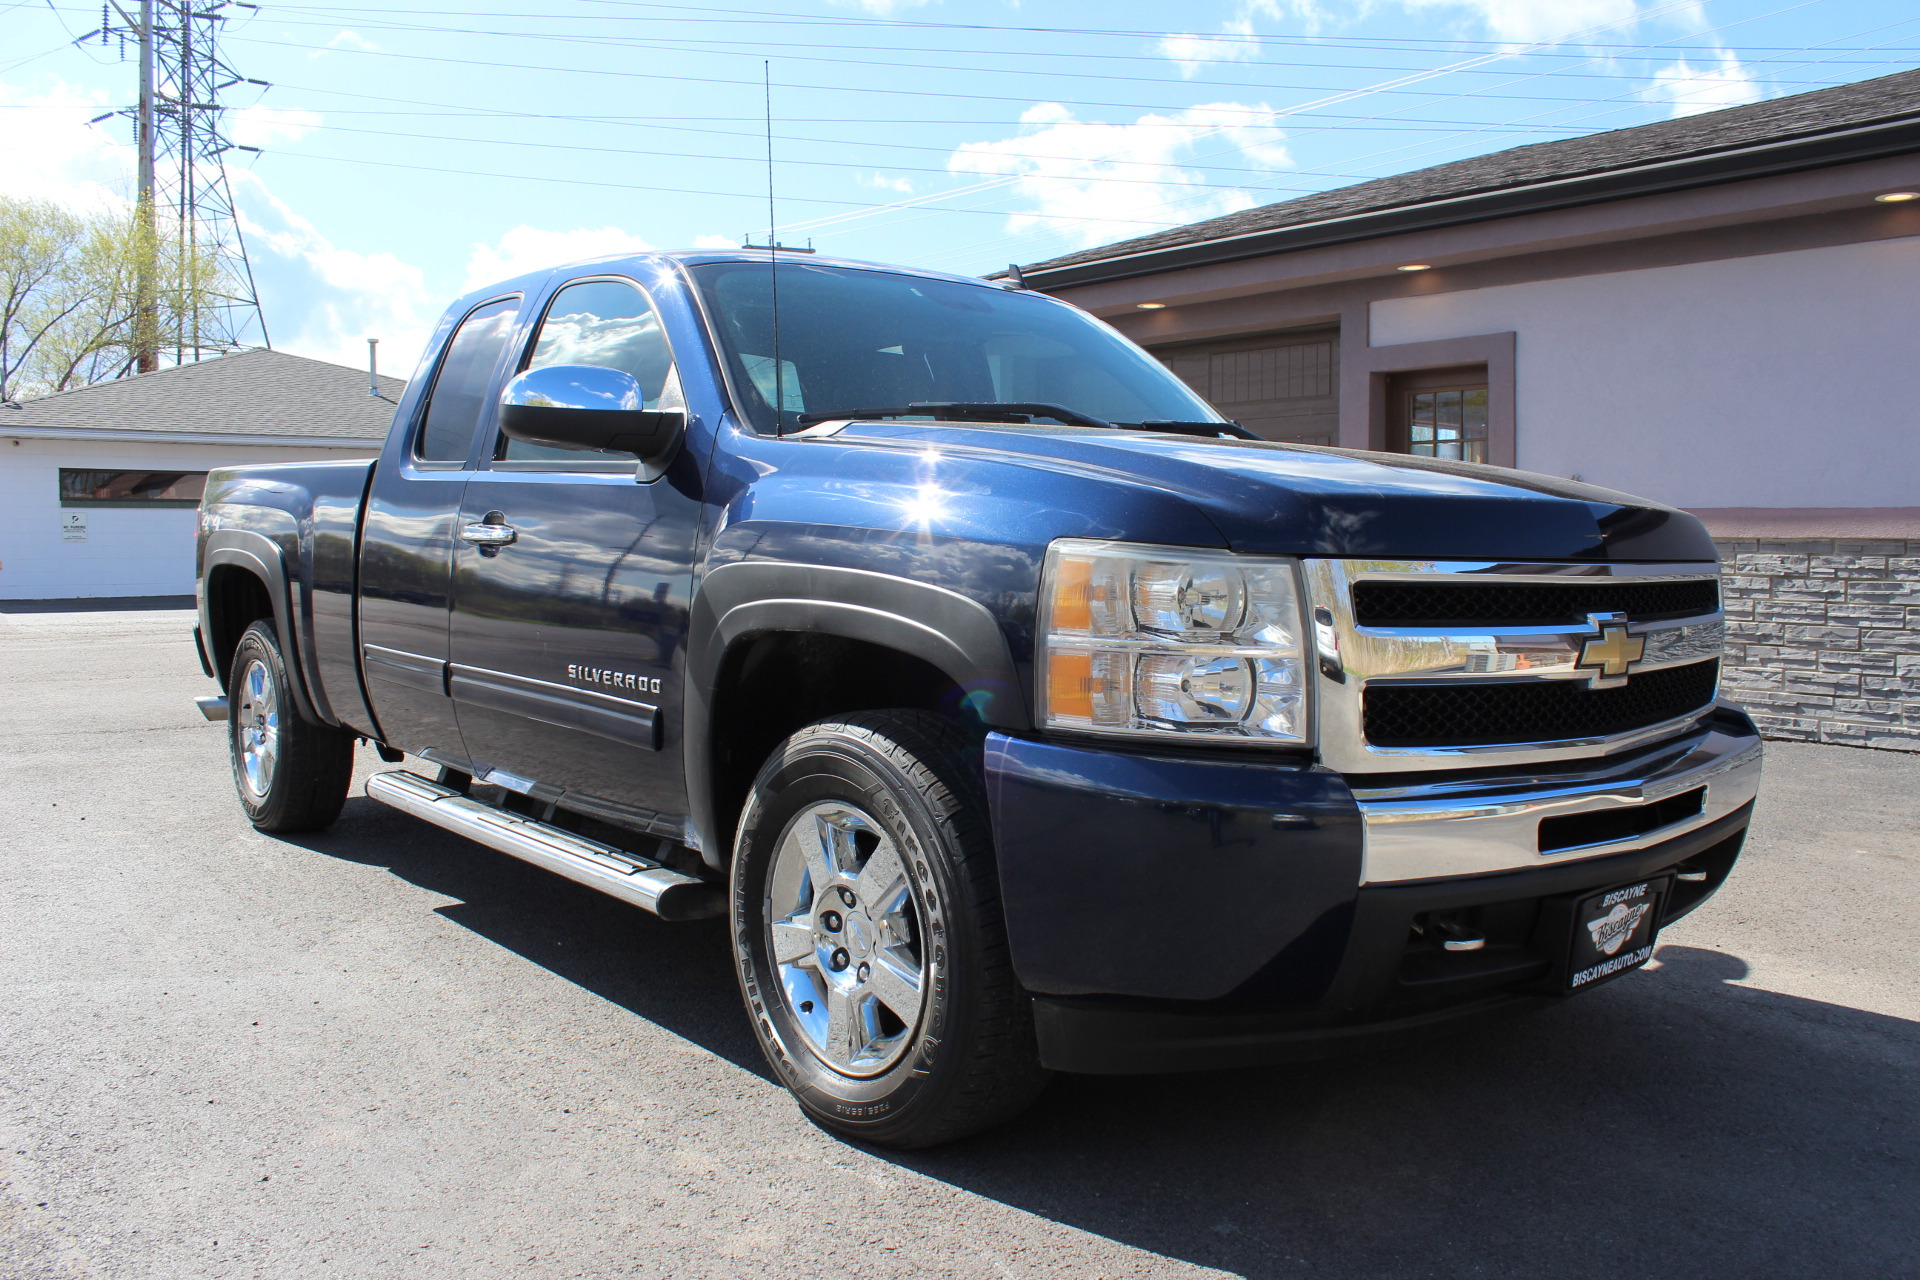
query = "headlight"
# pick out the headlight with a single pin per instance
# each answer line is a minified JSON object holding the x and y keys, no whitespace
{"x":1171,"y":641}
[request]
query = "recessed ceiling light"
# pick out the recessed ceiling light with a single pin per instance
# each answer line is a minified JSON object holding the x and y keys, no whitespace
{"x":1898,"y":197}
{"x":1151,"y":306}
{"x":1416,"y":266}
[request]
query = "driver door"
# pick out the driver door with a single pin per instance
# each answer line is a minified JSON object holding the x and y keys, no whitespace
{"x":564,"y":639}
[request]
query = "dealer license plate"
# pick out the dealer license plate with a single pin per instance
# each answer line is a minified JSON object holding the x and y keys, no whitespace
{"x":1613,"y":932}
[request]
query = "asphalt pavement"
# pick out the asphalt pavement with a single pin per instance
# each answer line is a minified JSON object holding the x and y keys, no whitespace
{"x":384,"y":1051}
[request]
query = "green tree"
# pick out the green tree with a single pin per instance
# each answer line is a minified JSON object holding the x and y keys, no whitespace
{"x":82,"y":296}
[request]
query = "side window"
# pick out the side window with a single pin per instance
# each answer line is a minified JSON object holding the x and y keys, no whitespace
{"x":460,"y":389}
{"x":611,"y":324}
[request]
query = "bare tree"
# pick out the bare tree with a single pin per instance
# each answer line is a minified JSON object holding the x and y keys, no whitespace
{"x":82,"y":295}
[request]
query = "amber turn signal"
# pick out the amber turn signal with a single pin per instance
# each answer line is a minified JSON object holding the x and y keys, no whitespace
{"x":1070,"y":684}
{"x":1073,"y":595}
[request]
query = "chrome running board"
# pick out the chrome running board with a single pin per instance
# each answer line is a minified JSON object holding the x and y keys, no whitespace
{"x":626,"y":876}
{"x":213,"y":708}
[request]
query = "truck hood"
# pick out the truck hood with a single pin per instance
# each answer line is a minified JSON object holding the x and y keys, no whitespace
{"x":1306,"y":500}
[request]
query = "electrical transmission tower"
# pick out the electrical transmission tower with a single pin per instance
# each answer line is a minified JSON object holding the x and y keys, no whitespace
{"x":200,"y":297}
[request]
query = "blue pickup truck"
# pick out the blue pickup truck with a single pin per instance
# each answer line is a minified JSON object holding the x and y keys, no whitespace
{"x":1018,"y":712}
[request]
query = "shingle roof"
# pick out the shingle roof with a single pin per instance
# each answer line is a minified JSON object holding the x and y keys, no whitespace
{"x":265,"y":394}
{"x":1887,"y":98}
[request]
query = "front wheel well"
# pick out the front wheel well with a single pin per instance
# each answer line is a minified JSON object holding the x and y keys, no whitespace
{"x":773,"y":684}
{"x":236,"y":599}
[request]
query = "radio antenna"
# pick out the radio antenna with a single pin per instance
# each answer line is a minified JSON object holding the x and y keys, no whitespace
{"x":773,"y":262}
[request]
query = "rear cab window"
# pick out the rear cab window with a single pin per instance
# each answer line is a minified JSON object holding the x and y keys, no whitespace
{"x":458,"y":401}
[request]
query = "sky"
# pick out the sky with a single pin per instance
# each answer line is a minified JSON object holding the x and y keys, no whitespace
{"x":409,"y":152}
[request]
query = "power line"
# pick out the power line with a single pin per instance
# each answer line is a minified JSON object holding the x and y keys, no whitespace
{"x":1335,"y":99}
{"x":844,"y":142}
{"x":761,"y":160}
{"x":654,"y":76}
{"x":767,"y":17}
{"x":922,"y":206}
{"x":628,"y":186}
{"x":1430,"y":147}
{"x":1397,"y":85}
{"x":755,"y":48}
{"x":463,"y":110}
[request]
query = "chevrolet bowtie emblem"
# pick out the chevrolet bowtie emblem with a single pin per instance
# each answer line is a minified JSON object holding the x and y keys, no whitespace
{"x":1612,"y":653}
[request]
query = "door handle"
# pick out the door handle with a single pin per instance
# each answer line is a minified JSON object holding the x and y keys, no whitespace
{"x":489,"y":533}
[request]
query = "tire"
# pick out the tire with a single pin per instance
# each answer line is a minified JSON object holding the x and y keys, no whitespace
{"x":292,"y":775}
{"x":887,"y":807}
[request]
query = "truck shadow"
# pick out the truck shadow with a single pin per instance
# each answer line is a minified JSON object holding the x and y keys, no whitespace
{"x":679,"y":976}
{"x":1669,"y":1124}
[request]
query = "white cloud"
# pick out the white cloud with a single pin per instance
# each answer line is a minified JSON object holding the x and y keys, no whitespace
{"x":1513,"y":21}
{"x":1249,"y":129}
{"x":715,"y":242}
{"x":1527,"y":21}
{"x":1687,"y":90}
{"x":902,"y":185}
{"x":882,"y":8}
{"x":1094,"y":182}
{"x":262,"y":126}
{"x":1235,"y":41}
{"x":525,"y":249}
{"x":347,"y":40}
{"x":1192,"y":53}
{"x":48,"y":151}
{"x":324,"y":301}
{"x":320,"y":300}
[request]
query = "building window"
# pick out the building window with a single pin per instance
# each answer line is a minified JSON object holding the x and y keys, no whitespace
{"x":131,"y":488}
{"x":1448,"y":422}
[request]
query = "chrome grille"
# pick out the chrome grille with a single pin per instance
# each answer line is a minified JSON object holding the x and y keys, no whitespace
{"x":1427,"y":665}
{"x":1532,"y":604}
{"x":1462,"y":714}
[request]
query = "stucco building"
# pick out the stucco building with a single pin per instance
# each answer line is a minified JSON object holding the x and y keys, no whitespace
{"x":1720,"y":312}
{"x":98,"y":485}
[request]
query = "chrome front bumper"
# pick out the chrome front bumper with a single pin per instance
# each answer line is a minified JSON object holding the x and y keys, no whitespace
{"x":1480,"y":825}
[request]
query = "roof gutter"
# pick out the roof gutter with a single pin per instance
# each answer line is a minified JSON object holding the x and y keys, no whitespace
{"x":370,"y":444}
{"x":1848,"y":146}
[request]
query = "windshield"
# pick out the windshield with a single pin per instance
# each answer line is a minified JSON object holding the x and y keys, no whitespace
{"x":854,"y":340}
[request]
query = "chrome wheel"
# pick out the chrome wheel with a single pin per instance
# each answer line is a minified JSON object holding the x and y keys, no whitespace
{"x":846,"y":938}
{"x":257,"y":727}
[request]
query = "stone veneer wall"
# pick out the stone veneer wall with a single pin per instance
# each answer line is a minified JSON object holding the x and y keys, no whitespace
{"x":1823,"y":638}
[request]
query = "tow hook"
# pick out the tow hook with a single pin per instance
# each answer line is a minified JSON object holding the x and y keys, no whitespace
{"x":1454,"y":936}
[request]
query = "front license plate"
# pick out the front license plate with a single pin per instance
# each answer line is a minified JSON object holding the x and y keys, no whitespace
{"x":1613,"y":932}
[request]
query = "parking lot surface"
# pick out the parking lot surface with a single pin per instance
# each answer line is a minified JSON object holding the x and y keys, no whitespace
{"x":384,"y":1051}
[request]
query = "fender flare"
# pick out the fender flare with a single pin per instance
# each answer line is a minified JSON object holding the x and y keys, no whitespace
{"x":949,"y":631}
{"x":257,"y":554}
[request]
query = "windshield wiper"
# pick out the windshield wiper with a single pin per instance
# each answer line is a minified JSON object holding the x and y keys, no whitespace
{"x":1020,"y":413}
{"x":1179,"y":428}
{"x":1014,"y":412}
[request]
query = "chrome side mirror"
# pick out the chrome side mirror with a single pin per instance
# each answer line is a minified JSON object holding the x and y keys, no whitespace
{"x":583,"y":406}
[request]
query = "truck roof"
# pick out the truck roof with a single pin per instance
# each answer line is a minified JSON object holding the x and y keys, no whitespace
{"x":693,"y":257}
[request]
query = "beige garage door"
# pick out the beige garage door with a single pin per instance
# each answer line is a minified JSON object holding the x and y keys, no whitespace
{"x":1281,"y":386}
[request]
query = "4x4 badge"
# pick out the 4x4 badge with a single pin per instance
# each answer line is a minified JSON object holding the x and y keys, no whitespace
{"x":1612,"y":653}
